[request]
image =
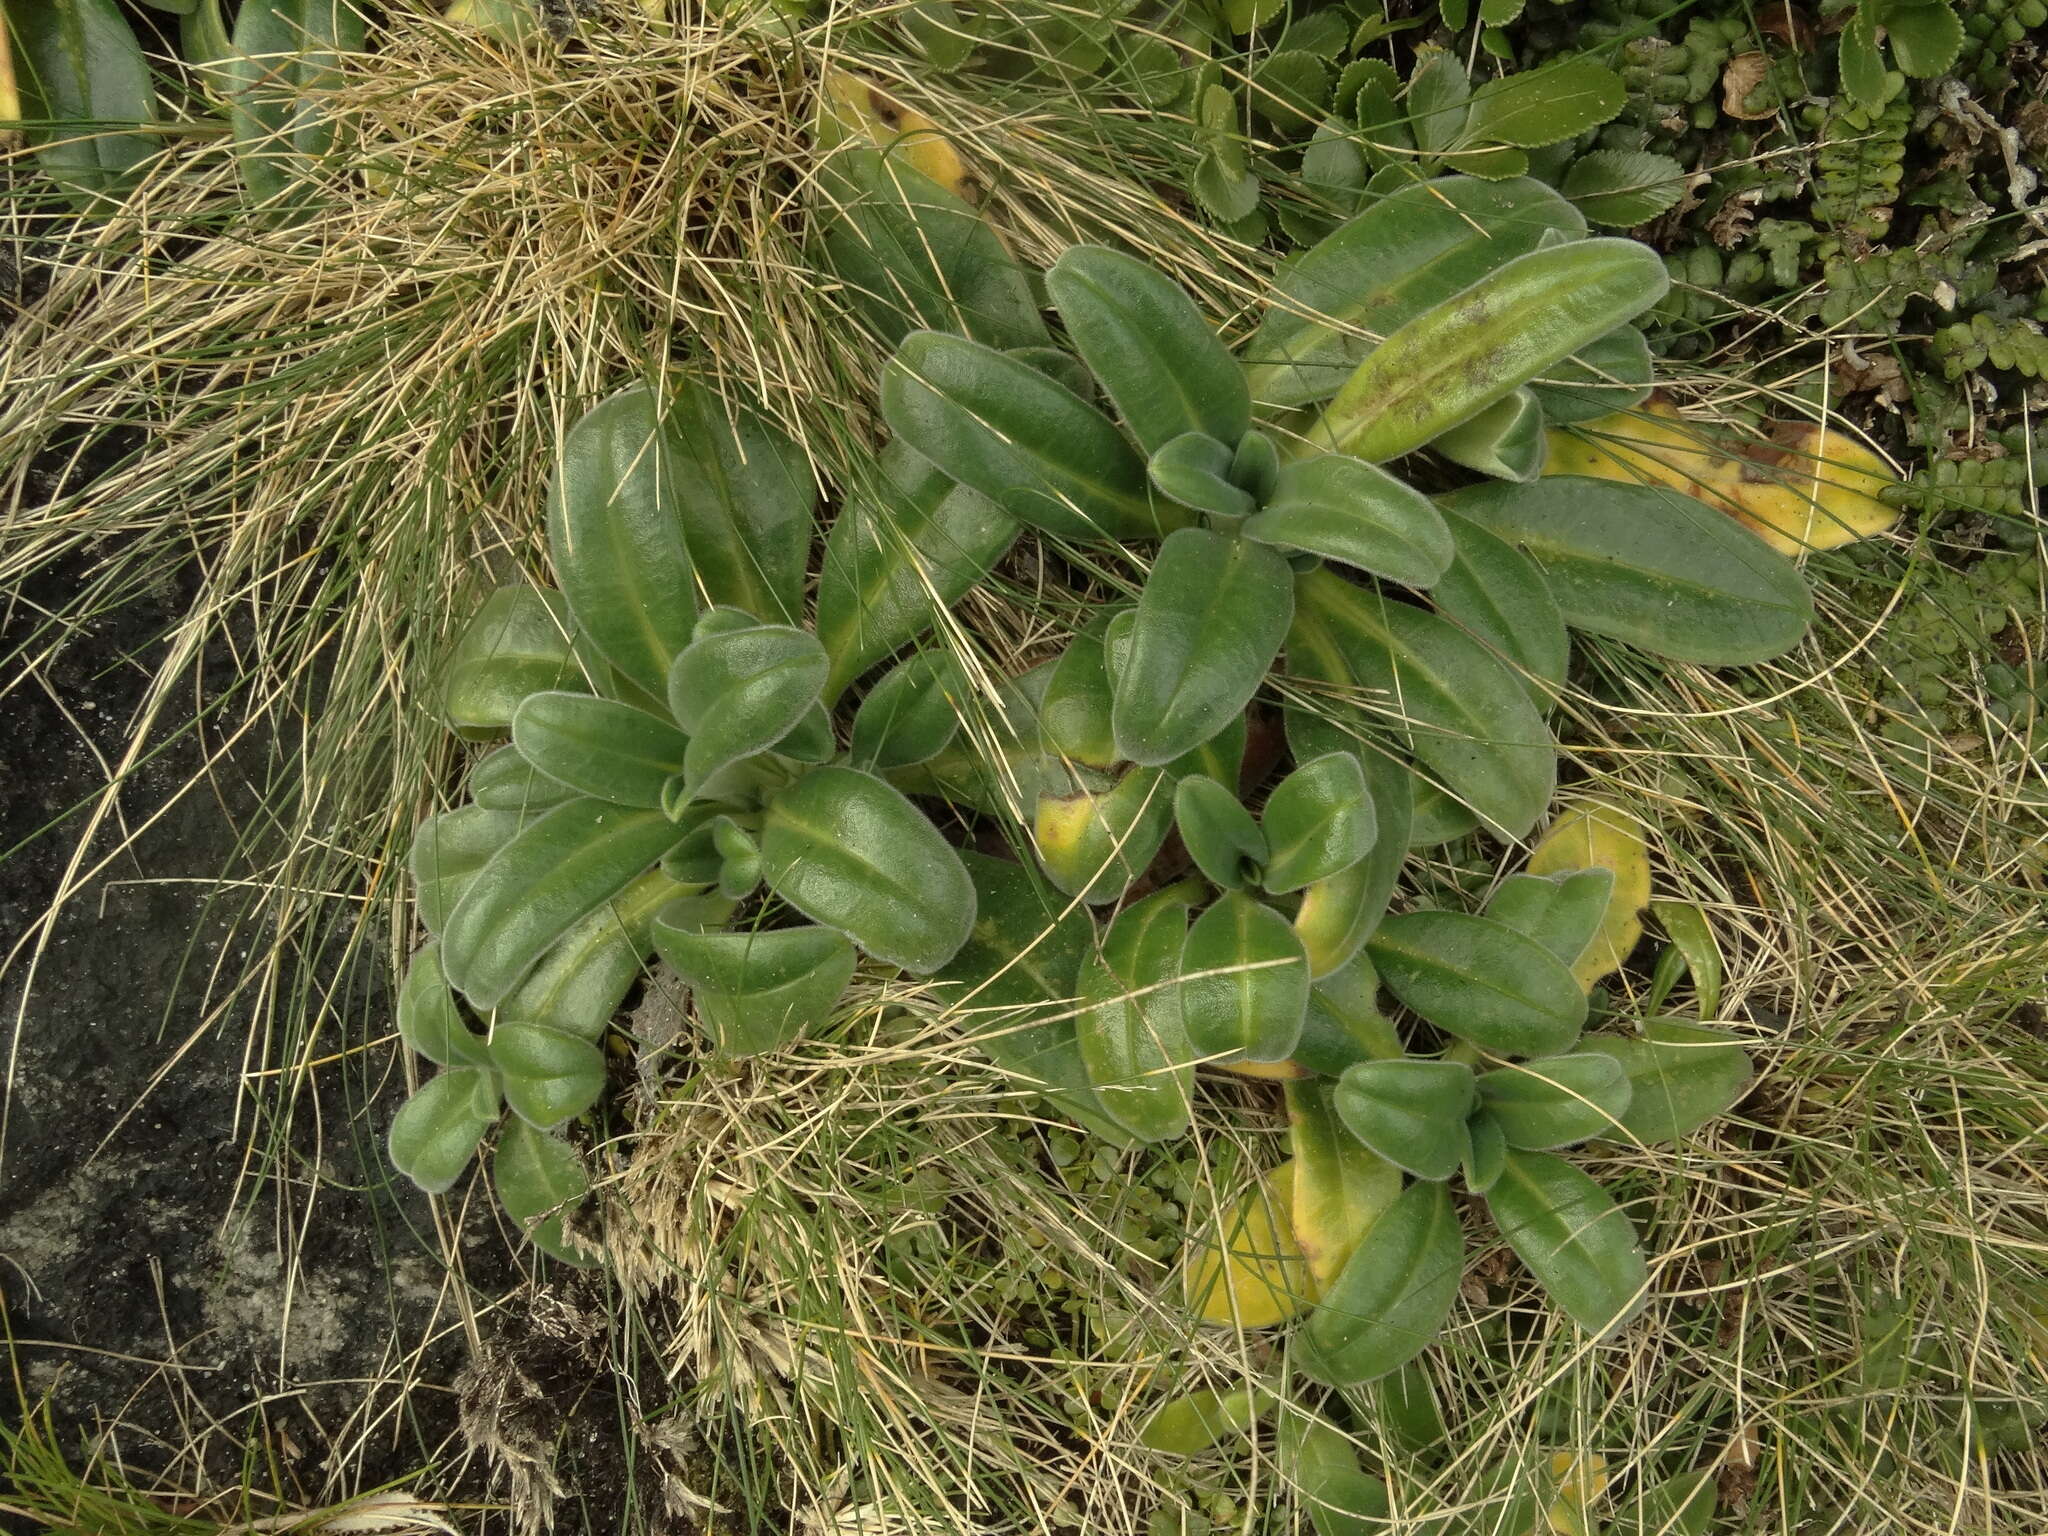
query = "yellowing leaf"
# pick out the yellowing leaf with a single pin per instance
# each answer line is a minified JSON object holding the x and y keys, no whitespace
{"x":1813,"y":490}
{"x":1594,"y":832}
{"x":1807,"y":489}
{"x":860,"y":108}
{"x":1257,"y":1277}
{"x":1267,"y":1071}
{"x":1340,"y":1188}
{"x":1651,"y":445}
{"x":1581,"y":1479}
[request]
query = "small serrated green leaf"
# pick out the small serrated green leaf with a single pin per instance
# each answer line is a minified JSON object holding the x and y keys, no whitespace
{"x":1622,"y":188}
{"x":1559,"y":101}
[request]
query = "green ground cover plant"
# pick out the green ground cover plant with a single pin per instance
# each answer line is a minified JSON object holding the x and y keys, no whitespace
{"x":986,"y":1248}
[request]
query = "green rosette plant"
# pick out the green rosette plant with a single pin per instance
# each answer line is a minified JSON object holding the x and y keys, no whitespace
{"x":1415,"y":644}
{"x":673,"y":784}
{"x":1262,"y":478}
{"x":1431,"y":321}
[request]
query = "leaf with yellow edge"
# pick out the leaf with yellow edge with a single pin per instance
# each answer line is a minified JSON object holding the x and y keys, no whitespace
{"x":1257,"y":1277}
{"x":1594,"y":832}
{"x":1340,"y":1188}
{"x":1812,"y":489}
{"x":1807,"y":489}
{"x":854,"y":107}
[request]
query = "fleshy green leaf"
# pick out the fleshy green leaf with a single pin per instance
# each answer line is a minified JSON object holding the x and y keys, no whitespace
{"x":757,"y":990}
{"x":1680,"y":1076}
{"x":429,"y":1019}
{"x":1218,"y":832}
{"x":599,"y":747}
{"x":1678,"y":1506}
{"x":541,"y":1181}
{"x":1404,"y":254}
{"x":548,"y":1075}
{"x":1209,"y":623}
{"x":1037,"y":449}
{"x":1075,"y":716}
{"x":739,"y":692}
{"x":560,"y":867}
{"x":1245,"y":988}
{"x":1346,"y":509}
{"x":616,"y":540}
{"x":1560,"y":912}
{"x":1129,"y":1024}
{"x":1498,"y":595}
{"x":1602,"y":377}
{"x":745,"y":496}
{"x":1692,"y":948}
{"x":1451,"y":362}
{"x":1650,"y":566}
{"x":848,"y":851}
{"x":1095,"y":843}
{"x":1340,"y":1498}
{"x":286,"y":53}
{"x":1393,"y":1295}
{"x":1505,"y":440}
{"x":1187,"y":1426}
{"x":517,"y":644}
{"x":1573,"y":1238}
{"x":1157,"y":359}
{"x":448,"y":852}
{"x":1558,"y":1101}
{"x":1318,"y":822}
{"x":1621,"y":188}
{"x":914,"y":256}
{"x":1340,"y":1188}
{"x":505,"y":781}
{"x":1194,"y":469}
{"x":1339,"y":913}
{"x":1535,"y":107}
{"x":1411,"y":1112}
{"x":1462,"y":713}
{"x":587,"y":972}
{"x":1488,"y":1154}
{"x":897,"y":560}
{"x":1344,"y":1024}
{"x":910,"y":715}
{"x":82,"y":77}
{"x":1481,"y":981}
{"x":436,"y":1131}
